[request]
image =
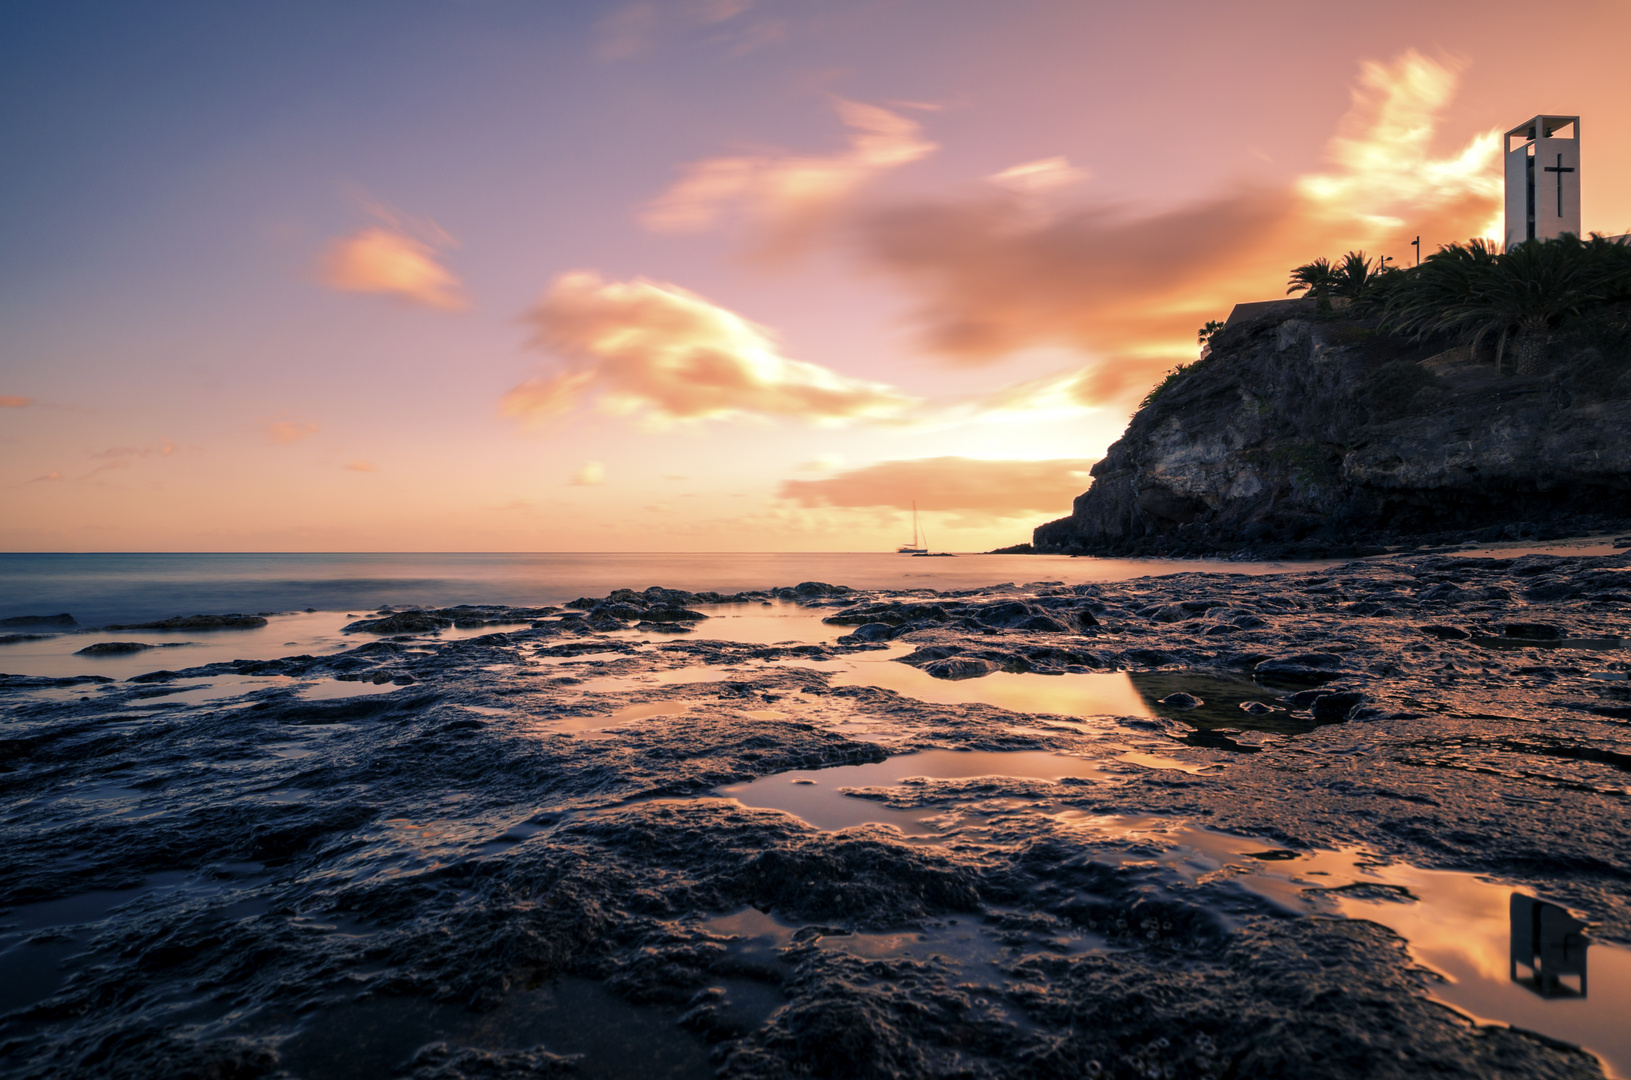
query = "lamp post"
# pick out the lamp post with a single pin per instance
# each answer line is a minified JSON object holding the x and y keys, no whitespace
{"x":1416,"y":243}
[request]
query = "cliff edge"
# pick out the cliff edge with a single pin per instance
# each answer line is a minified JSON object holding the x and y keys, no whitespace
{"x":1302,"y":432}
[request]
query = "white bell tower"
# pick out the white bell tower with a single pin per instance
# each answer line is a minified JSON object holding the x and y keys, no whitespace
{"x":1543,"y":179}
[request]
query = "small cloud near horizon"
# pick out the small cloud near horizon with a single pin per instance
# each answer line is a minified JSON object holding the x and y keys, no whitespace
{"x":589,"y":474}
{"x":289,"y":431}
{"x":12,"y":401}
{"x":662,"y":354}
{"x":970,"y":486}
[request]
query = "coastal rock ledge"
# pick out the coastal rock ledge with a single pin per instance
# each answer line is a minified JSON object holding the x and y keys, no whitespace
{"x":1303,"y":432}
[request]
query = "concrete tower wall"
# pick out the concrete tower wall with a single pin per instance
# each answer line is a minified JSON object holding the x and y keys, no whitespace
{"x":1543,"y":179}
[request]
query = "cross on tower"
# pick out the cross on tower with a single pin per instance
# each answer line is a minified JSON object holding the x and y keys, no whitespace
{"x":1560,"y":170}
{"x":1528,"y":149}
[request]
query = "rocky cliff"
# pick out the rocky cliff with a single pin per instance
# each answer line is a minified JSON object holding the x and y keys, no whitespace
{"x":1304,"y":431}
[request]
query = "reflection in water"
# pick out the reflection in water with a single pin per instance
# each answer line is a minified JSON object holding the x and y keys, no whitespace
{"x":1550,"y":944}
{"x":1221,"y":710}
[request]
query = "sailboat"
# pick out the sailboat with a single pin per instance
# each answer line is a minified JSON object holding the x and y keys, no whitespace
{"x":913,"y":548}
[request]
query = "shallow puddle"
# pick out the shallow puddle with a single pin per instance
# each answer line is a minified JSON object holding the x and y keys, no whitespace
{"x":817,"y":796}
{"x":1501,"y":959}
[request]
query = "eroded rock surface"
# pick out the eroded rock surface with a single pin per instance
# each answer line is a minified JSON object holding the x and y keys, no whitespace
{"x":247,"y":873}
{"x":1299,"y":434}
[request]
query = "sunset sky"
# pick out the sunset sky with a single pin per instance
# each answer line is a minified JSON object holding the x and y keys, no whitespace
{"x":704,"y":275}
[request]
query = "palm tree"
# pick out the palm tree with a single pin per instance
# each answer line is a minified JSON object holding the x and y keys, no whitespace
{"x":1516,"y":297}
{"x":1354,"y":275}
{"x":1316,"y":279}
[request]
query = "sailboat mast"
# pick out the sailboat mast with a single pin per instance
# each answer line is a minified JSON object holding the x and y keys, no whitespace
{"x":914,"y":523}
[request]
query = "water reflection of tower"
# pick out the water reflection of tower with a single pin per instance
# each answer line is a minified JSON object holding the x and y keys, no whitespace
{"x":1551,"y":944}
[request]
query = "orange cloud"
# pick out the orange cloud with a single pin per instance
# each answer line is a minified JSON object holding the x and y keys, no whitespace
{"x":789,"y":196}
{"x":661,"y":353}
{"x":385,"y":260}
{"x":289,"y":431}
{"x":361,"y":466}
{"x":11,"y":401}
{"x":968,"y":485}
{"x":991,"y":277}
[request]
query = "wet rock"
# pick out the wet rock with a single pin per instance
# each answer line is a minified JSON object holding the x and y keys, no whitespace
{"x":1257,"y":708}
{"x":624,"y":612}
{"x":1302,"y":667}
{"x":403,"y":622}
{"x":1337,"y":707}
{"x":1444,"y":633}
{"x":1182,"y":700}
{"x":673,"y":614}
{"x":46,"y":682}
{"x":820,"y":588}
{"x":14,"y":639}
{"x":64,"y":620}
{"x":1532,"y":631}
{"x":874,"y":631}
{"x":198,"y":622}
{"x":113,"y":648}
{"x":962,"y":667}
{"x":440,"y":1061}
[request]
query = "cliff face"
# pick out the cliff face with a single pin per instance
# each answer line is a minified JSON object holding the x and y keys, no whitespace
{"x":1299,"y":431}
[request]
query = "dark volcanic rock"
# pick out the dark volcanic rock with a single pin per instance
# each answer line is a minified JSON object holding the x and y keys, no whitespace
{"x":63,"y":620}
{"x":403,"y":622}
{"x":113,"y":648}
{"x":1307,"y":431}
{"x":197,"y":622}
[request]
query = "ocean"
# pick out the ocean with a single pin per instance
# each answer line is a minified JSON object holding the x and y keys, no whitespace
{"x":98,"y":589}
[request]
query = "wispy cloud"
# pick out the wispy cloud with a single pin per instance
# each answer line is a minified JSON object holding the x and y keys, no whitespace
{"x":662,"y":354}
{"x":162,"y":448}
{"x":291,"y":431}
{"x":1048,"y":174}
{"x":12,"y":401}
{"x":396,"y":258}
{"x":990,"y":277}
{"x":789,"y":197}
{"x":360,"y":466}
{"x":589,"y":474}
{"x":970,"y":486}
{"x":627,"y":32}
{"x":121,"y":457}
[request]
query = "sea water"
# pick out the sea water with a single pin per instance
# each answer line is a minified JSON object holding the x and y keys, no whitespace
{"x":98,"y":589}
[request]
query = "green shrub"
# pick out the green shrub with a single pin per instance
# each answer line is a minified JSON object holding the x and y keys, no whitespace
{"x":1160,"y":387}
{"x":1400,"y":387}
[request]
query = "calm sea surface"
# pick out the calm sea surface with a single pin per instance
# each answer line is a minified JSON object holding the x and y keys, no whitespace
{"x":114,"y":588}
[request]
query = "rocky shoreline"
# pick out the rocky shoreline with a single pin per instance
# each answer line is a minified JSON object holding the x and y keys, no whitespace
{"x":302,"y":878}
